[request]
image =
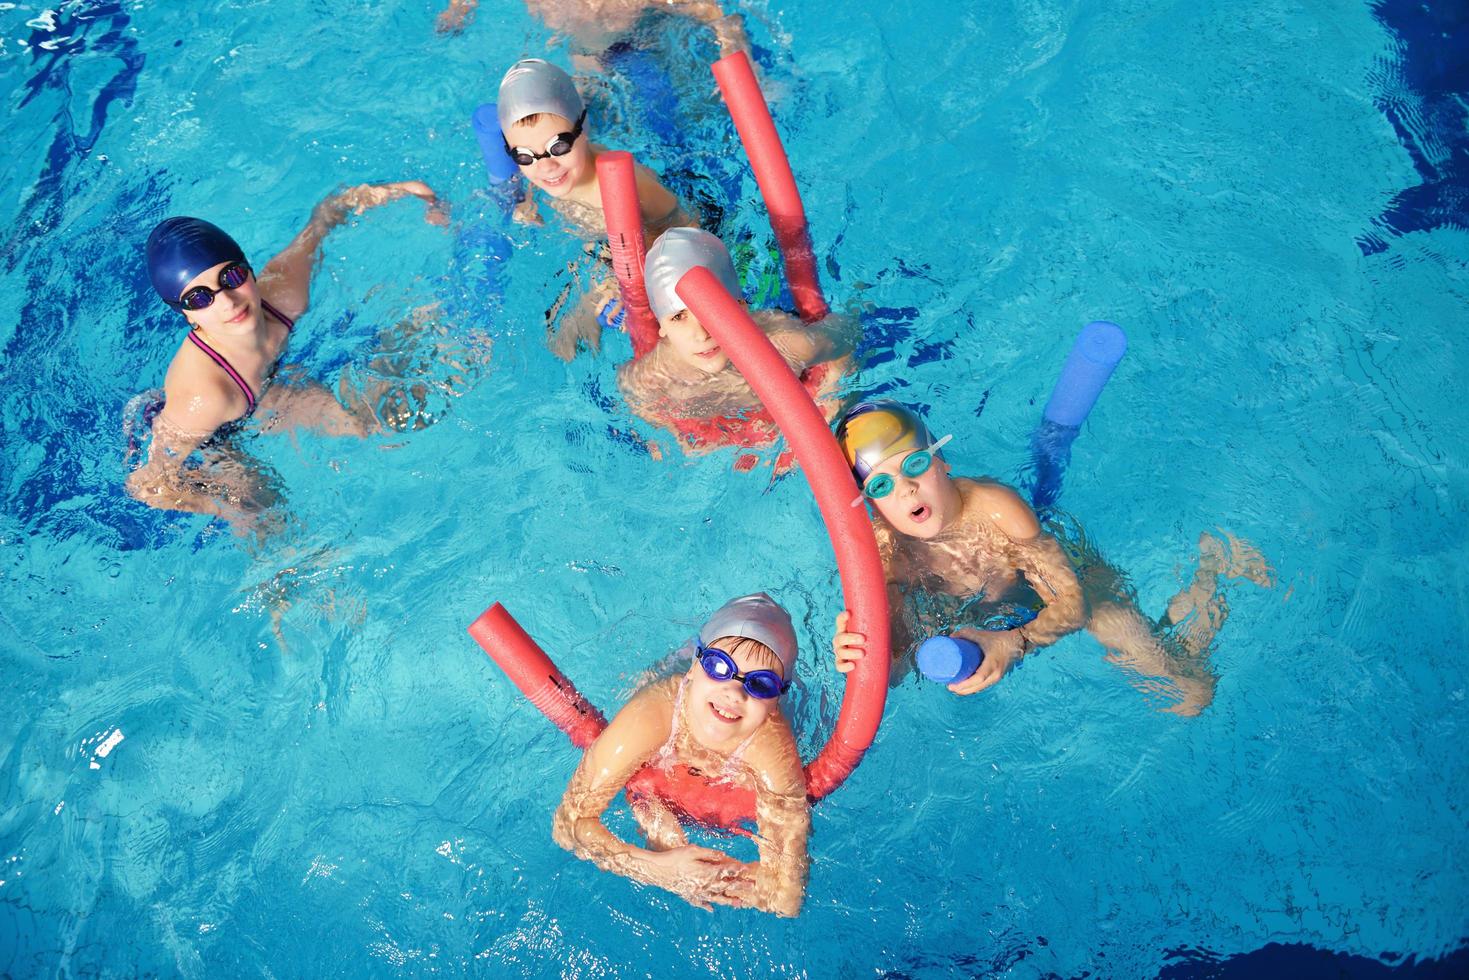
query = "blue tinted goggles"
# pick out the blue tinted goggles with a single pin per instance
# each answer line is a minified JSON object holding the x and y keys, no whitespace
{"x":720,"y":666}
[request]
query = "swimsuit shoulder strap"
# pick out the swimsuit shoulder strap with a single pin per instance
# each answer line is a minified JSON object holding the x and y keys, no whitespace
{"x":666,"y":753}
{"x":229,"y":369}
{"x":278,"y":315}
{"x":739,"y":752}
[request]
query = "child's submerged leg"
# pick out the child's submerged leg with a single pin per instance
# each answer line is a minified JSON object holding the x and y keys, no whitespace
{"x":1196,"y":614}
{"x":1172,"y":655}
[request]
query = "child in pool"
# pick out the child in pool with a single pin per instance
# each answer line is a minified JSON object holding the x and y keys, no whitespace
{"x":962,"y":537}
{"x":239,"y":328}
{"x":593,"y":26}
{"x":543,"y":119}
{"x":687,"y":384}
{"x":723,"y":716}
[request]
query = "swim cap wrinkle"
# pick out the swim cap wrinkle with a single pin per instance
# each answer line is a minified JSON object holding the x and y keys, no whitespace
{"x":534,"y":85}
{"x":872,"y":431}
{"x":677,"y":251}
{"x":180,"y":248}
{"x":755,"y":617}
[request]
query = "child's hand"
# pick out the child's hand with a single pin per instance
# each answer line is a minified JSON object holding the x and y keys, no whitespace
{"x":364,"y":196}
{"x":700,"y":874}
{"x":848,"y":648}
{"x":1001,"y":651}
{"x":612,"y":314}
{"x":526,"y":213}
{"x":453,"y":18}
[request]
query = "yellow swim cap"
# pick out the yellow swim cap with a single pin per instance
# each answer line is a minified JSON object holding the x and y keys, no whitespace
{"x":870,"y":432}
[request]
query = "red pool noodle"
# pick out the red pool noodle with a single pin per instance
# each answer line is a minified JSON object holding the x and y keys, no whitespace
{"x":767,"y":155}
{"x":619,"y":186}
{"x":499,"y":635}
{"x":864,"y":587}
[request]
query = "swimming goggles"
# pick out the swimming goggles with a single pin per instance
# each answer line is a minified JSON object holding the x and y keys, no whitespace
{"x":559,"y":146}
{"x":879,"y":485}
{"x":720,"y":666}
{"x":232,"y":276}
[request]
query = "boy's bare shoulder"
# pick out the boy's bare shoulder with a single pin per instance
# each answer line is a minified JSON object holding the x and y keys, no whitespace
{"x":1001,"y":505}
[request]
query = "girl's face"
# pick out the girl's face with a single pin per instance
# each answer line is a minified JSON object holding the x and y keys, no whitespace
{"x":554,"y":175}
{"x":233,"y":310}
{"x":721,"y":714}
{"x":691,"y":343}
{"x":918,"y":506}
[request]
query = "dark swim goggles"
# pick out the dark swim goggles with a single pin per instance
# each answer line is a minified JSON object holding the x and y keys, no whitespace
{"x":720,"y":666}
{"x":879,"y":485}
{"x":559,"y":146}
{"x":232,"y":276}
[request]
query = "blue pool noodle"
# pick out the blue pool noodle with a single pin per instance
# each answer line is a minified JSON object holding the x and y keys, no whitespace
{"x":486,"y":123}
{"x":949,"y":659}
{"x":1093,"y":357}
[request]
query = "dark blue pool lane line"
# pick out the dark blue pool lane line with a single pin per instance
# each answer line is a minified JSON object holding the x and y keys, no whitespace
{"x":1424,"y":94}
{"x":1297,"y":961}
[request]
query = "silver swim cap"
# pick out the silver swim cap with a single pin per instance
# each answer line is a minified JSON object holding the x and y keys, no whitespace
{"x":677,"y":251}
{"x":533,"y":85}
{"x":755,"y":617}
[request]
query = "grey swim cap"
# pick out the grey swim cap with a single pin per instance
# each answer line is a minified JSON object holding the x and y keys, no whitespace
{"x":677,"y":251}
{"x":533,"y":85}
{"x":755,"y":617}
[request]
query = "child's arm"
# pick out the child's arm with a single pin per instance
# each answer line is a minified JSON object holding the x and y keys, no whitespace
{"x":286,"y":279}
{"x":1049,"y":572}
{"x":729,"y":29}
{"x":191,"y":414}
{"x":658,"y":204}
{"x":783,"y":818}
{"x":698,"y":874}
{"x":451,"y":19}
{"x":804,"y":345}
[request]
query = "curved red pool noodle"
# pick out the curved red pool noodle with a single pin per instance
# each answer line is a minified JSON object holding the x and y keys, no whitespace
{"x":618,"y":183}
{"x":768,"y":159}
{"x":863,"y":585}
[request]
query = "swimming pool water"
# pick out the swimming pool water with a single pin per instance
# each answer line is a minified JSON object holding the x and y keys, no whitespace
{"x":285,"y":757}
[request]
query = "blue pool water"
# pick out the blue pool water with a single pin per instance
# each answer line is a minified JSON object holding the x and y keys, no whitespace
{"x":285,"y":757}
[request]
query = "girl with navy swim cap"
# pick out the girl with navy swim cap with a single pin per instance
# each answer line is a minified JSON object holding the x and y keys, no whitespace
{"x":239,"y":323}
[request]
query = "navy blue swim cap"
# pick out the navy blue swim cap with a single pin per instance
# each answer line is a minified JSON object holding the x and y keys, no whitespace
{"x":181,"y":248}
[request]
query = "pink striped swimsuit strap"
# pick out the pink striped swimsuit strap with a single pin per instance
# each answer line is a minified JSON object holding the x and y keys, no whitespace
{"x":229,"y":369}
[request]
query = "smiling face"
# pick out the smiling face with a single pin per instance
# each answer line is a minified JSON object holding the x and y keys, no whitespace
{"x":690,"y":342}
{"x":233,"y":310}
{"x":920,"y":506}
{"x":554,"y":175}
{"x":721,"y":714}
